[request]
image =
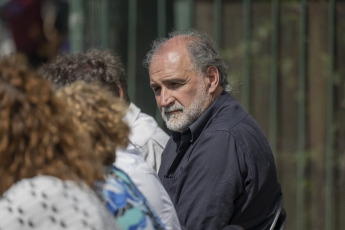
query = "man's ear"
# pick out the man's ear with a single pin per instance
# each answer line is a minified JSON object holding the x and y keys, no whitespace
{"x":212,"y":75}
{"x":120,"y":92}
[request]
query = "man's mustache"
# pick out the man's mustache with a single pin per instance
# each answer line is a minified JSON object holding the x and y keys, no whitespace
{"x":172,"y":108}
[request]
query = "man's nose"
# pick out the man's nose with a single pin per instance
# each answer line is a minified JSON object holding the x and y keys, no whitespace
{"x":166,"y":98}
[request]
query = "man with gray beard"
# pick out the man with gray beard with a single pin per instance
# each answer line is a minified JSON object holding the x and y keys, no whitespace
{"x":217,"y":167}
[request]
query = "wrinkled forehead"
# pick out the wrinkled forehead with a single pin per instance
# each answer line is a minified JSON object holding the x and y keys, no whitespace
{"x":171,"y":48}
{"x":170,"y":60}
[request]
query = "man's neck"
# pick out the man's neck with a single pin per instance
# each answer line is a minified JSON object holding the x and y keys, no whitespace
{"x":216,"y":93}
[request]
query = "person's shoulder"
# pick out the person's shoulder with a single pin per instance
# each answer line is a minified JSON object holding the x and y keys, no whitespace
{"x":48,"y":187}
{"x":227,"y":115}
{"x":42,"y":182}
{"x":231,"y":117}
{"x":129,"y":158}
{"x":241,"y":126}
{"x":144,"y":128}
{"x":131,"y":161}
{"x":42,"y":198}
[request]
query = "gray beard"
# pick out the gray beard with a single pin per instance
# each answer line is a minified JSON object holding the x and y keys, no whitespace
{"x":181,"y":121}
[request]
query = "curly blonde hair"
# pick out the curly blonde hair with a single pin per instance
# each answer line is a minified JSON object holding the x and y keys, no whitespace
{"x":100,"y":114}
{"x":37,"y":134}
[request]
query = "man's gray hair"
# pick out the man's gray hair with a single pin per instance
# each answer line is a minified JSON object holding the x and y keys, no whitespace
{"x":202,"y":52}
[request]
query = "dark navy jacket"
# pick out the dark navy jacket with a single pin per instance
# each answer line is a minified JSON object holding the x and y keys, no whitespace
{"x":221,"y":170}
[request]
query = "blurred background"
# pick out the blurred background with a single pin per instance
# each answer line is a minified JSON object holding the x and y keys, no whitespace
{"x":285,"y":67}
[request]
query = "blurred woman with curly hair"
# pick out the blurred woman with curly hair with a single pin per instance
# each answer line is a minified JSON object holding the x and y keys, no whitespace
{"x":98,"y":113}
{"x":101,"y":114}
{"x":47,"y":165}
{"x":146,"y":140}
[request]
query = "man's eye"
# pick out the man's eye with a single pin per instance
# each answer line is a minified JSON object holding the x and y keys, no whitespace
{"x":175,"y":85}
{"x":156,"y":89}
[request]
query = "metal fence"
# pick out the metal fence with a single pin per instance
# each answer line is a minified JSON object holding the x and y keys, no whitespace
{"x":285,"y":60}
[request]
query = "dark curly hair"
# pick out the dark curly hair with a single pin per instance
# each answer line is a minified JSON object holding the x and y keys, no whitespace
{"x":90,"y":66}
{"x":100,"y":114}
{"x":37,"y":134}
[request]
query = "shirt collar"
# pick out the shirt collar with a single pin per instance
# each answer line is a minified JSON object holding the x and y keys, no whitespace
{"x":132,"y":114}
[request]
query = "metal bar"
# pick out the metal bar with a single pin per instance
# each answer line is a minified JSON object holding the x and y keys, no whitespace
{"x":161,"y":17}
{"x":245,"y":96}
{"x":76,"y":25}
{"x":132,"y":45}
{"x":274,"y":77}
{"x":191,"y":13}
{"x":92,"y":22}
{"x":329,"y":141}
{"x":301,"y":116}
{"x":217,"y":22}
{"x":184,"y":14}
{"x":104,"y":23}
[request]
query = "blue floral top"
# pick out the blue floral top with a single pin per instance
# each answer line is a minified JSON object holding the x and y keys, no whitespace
{"x":129,"y":206}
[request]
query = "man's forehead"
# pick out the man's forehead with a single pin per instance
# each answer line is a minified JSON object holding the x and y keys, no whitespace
{"x":172,"y":51}
{"x":177,"y":44}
